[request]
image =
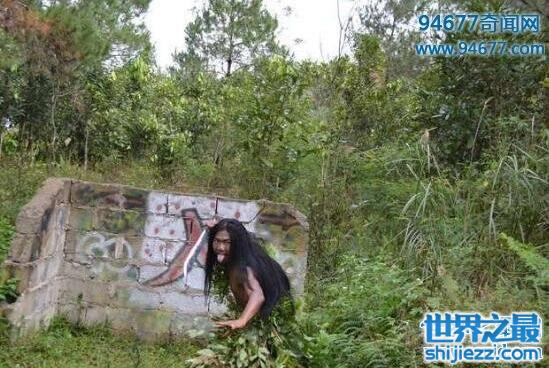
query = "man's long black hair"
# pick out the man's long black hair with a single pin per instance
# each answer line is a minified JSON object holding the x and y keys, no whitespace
{"x":244,"y":252}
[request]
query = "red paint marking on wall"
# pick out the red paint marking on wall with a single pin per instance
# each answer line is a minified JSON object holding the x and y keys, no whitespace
{"x":175,"y":273}
{"x":192,"y":226}
{"x":193,"y":229}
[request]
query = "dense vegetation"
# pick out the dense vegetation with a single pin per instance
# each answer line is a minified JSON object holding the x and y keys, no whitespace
{"x":424,"y":180}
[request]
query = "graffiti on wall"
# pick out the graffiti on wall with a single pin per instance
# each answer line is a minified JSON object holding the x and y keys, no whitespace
{"x":165,"y":235}
{"x":194,"y":215}
{"x":98,"y":246}
{"x":115,"y":247}
{"x":191,"y":255}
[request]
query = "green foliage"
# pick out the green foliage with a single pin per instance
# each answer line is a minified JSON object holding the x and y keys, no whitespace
{"x":228,"y":33}
{"x":275,"y":342}
{"x":368,"y":317}
{"x":18,"y":183}
{"x":8,"y":287}
{"x":392,"y":22}
{"x":6,"y":233}
{"x":530,"y":256}
{"x":132,"y":125}
{"x":67,"y":345}
{"x":534,"y":260}
{"x":407,"y":179}
{"x":472,"y":101}
{"x":8,"y":291}
{"x":98,"y":28}
{"x":269,"y":125}
{"x":251,"y":347}
{"x":58,"y":48}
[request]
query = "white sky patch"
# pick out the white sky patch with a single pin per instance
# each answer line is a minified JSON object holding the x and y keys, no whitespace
{"x":310,"y":29}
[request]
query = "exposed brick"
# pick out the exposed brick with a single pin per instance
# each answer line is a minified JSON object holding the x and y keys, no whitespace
{"x":205,"y":206}
{"x":244,"y":211}
{"x":172,"y":248}
{"x":102,"y":270}
{"x":103,"y":245}
{"x":195,"y":327}
{"x":142,"y":299}
{"x":43,"y":199}
{"x":112,"y":271}
{"x":154,"y":251}
{"x":53,"y":270}
{"x":120,"y":319}
{"x":27,"y":224}
{"x":73,"y":312}
{"x":157,"y":203}
{"x":165,"y":227}
{"x":53,"y":240}
{"x":64,"y":195}
{"x":80,"y":258}
{"x":181,"y":302}
{"x":80,"y":292}
{"x":181,"y":323}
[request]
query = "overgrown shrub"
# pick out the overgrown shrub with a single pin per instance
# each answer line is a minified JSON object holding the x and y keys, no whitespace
{"x":368,"y":316}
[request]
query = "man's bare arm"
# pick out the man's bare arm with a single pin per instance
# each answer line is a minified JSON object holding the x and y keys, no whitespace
{"x":256,"y":298}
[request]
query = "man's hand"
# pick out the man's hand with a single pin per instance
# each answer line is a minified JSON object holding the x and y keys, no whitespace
{"x":233,"y":325}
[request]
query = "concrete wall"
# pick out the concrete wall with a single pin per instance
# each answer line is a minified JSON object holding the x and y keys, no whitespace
{"x":106,"y":252}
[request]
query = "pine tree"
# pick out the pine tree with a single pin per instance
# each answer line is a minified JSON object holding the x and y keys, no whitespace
{"x":228,"y":35}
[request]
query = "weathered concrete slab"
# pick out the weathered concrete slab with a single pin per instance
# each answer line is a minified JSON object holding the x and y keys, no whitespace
{"x":35,"y":215}
{"x":89,"y":251}
{"x":25,"y":248}
{"x":120,"y":222}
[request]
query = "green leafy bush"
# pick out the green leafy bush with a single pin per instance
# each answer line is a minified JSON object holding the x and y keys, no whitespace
{"x":8,"y":291}
{"x":6,"y":233}
{"x":535,"y":261}
{"x":368,"y":316}
{"x":8,"y":287}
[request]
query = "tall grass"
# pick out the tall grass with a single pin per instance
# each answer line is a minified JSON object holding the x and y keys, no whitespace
{"x":418,"y":238}
{"x":66,"y":345}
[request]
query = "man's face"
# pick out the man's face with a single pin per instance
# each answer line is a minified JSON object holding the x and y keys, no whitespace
{"x":222,"y":245}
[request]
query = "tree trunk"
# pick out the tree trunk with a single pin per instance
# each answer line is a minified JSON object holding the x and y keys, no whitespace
{"x":52,"y":119}
{"x":1,"y":142}
{"x":229,"y":64}
{"x":86,"y":148}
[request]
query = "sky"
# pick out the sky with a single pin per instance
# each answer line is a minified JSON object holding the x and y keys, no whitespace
{"x":310,"y":29}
